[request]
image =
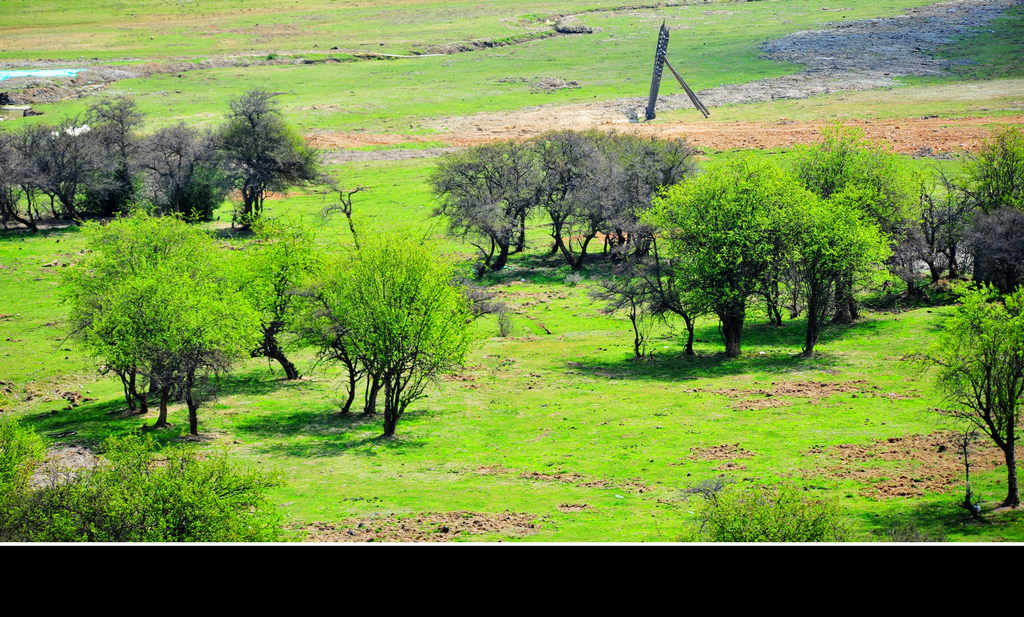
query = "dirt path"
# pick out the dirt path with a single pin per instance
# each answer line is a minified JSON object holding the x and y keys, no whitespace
{"x":916,"y":136}
{"x":858,"y":55}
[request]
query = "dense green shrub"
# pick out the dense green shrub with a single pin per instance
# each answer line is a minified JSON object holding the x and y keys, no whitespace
{"x":137,"y":495}
{"x":20,"y":451}
{"x":768,"y":514}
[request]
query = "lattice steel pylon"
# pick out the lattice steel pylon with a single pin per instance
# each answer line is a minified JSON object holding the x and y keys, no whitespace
{"x":660,"y":61}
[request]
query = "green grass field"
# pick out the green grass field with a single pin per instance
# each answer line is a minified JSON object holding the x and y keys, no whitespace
{"x":563,"y":427}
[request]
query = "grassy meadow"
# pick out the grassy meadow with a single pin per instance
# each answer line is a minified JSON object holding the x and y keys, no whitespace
{"x":565,"y":427}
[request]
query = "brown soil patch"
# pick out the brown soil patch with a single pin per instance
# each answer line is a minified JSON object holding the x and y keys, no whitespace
{"x":632,"y":486}
{"x":574,"y":507}
{"x":429,"y":527}
{"x":723,"y":452}
{"x":63,"y":464}
{"x":923,"y":463}
{"x":814,"y":390}
{"x":730,"y":466}
{"x":933,"y":136}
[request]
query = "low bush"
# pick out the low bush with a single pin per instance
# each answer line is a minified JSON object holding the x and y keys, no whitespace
{"x":768,"y":514}
{"x":138,"y":494}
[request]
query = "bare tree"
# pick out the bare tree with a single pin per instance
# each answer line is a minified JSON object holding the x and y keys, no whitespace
{"x":487,"y":193}
{"x":183,"y":173}
{"x":113,"y":123}
{"x":63,"y":162}
{"x":263,"y":152}
{"x":12,"y":189}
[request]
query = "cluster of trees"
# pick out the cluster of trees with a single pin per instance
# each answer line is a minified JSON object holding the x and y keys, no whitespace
{"x":98,"y":165}
{"x":589,"y":185}
{"x":161,"y":305}
{"x":971,"y":223}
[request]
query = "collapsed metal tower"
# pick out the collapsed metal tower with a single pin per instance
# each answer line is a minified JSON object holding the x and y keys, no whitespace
{"x":660,"y":61}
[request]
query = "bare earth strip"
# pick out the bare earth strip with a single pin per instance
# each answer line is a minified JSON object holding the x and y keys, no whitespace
{"x":859,"y":55}
{"x":904,"y":135}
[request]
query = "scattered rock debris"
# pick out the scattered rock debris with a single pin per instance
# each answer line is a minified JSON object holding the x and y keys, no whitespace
{"x":428,"y":527}
{"x":912,"y":465}
{"x":722,"y":452}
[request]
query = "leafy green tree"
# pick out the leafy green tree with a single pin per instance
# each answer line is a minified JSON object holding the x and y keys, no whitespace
{"x":410,"y":320}
{"x":280,"y":262}
{"x":264,"y":153}
{"x":126,"y":249}
{"x":833,"y":241}
{"x":996,"y":172}
{"x":163,"y":311}
{"x":845,"y":161}
{"x":980,"y":360}
{"x":723,"y":230}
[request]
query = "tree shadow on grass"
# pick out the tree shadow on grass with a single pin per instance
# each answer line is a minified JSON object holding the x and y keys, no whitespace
{"x":680,"y":367}
{"x":317,"y":433}
{"x":90,"y":424}
{"x":49,"y":230}
{"x":256,"y":382}
{"x":933,"y":522}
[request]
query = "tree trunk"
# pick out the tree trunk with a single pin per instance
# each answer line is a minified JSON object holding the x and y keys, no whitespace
{"x":1012,"y":493}
{"x":732,"y":329}
{"x":193,"y":406}
{"x":846,"y":309}
{"x":373,"y":386}
{"x":351,"y":393}
{"x":161,"y":421}
{"x":289,"y":369}
{"x":689,"y":334}
{"x":813,"y":325}
{"x":637,"y":339}
{"x":502,"y":258}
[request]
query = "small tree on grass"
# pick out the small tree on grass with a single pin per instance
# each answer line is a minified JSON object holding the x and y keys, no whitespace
{"x":125,"y":250}
{"x":842,"y":160}
{"x":980,"y":360}
{"x":834,"y":244}
{"x":404,"y":319}
{"x":723,"y":230}
{"x":151,"y":301}
{"x":280,"y":263}
{"x":264,"y":153}
{"x":487,"y":193}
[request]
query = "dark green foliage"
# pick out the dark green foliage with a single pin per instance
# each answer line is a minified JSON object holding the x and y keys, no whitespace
{"x":996,"y":172}
{"x":768,"y":514}
{"x":183,"y":173}
{"x":138,"y":495}
{"x":262,"y":152}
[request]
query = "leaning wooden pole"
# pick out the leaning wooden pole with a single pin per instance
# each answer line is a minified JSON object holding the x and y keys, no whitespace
{"x":659,"y":62}
{"x":693,"y":97}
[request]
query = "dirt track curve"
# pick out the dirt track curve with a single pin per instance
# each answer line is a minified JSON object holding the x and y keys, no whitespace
{"x":858,"y":55}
